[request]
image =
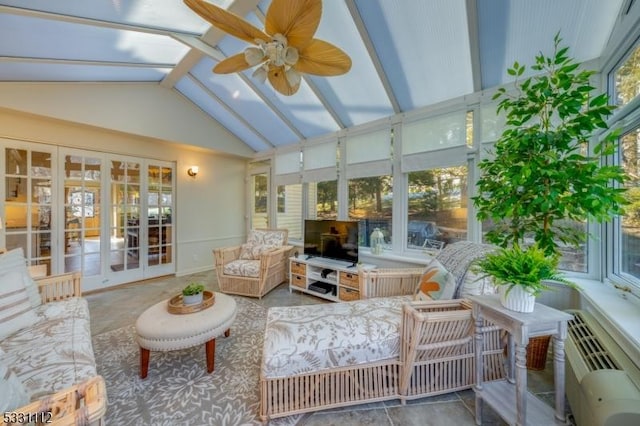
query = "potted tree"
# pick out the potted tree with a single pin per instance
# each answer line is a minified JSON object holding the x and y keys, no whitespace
{"x":520,"y":274}
{"x":192,"y":293}
{"x":543,"y":178}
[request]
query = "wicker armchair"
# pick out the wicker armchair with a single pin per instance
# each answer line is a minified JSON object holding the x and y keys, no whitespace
{"x":256,"y":267}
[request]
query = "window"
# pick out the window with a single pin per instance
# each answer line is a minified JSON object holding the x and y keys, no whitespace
{"x":437,"y":206}
{"x":630,"y":223}
{"x":370,"y":202}
{"x":323,"y":200}
{"x":281,"y":194}
{"x":290,"y":210}
{"x":627,"y":78}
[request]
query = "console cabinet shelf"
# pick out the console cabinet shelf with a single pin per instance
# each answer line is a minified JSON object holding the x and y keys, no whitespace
{"x":316,"y":275}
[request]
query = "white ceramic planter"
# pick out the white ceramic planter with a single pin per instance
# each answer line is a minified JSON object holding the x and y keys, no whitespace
{"x":518,"y":299}
{"x":193,"y":299}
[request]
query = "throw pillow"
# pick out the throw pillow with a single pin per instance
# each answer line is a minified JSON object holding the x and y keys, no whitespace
{"x":14,"y":260}
{"x":475,"y":284}
{"x":436,"y":283}
{"x":16,"y":312}
{"x":13,"y":394}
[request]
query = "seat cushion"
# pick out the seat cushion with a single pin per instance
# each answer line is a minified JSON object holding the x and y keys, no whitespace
{"x":302,"y":339}
{"x":243,"y":268}
{"x":56,"y":351}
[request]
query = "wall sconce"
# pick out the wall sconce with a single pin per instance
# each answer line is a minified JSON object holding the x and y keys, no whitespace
{"x":193,"y":171}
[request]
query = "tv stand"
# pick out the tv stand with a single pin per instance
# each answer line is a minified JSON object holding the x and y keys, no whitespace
{"x":329,"y":279}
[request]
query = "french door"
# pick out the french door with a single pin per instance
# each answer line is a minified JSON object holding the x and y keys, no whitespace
{"x":108,"y":216}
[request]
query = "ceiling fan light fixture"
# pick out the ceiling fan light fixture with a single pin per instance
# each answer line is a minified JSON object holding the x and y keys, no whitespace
{"x":293,"y":77}
{"x":291,"y":55}
{"x":260,"y":74}
{"x":254,"y":55}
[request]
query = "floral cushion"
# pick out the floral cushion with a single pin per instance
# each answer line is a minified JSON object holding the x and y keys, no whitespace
{"x":56,"y":351}
{"x":302,"y":339}
{"x":254,"y":251}
{"x":243,"y":268}
{"x":12,"y":392}
{"x":269,"y":238}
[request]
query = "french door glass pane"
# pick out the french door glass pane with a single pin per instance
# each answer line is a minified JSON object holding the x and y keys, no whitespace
{"x":82,"y":188}
{"x":124,"y":246}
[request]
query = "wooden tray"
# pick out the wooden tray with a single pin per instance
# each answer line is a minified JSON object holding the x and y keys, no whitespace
{"x":177,"y":306}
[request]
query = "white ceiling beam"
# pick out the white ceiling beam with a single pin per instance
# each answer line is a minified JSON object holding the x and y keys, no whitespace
{"x":474,"y":44}
{"x":24,"y":59}
{"x":231,"y":111}
{"x":211,"y":38}
{"x":364,"y":35}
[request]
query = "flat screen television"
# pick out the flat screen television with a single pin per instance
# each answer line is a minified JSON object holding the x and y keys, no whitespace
{"x":334,"y":239}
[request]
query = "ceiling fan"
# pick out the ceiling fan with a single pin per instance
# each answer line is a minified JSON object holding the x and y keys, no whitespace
{"x":286,"y":48}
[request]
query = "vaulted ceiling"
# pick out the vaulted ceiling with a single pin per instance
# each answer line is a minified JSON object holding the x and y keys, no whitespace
{"x":407,"y":54}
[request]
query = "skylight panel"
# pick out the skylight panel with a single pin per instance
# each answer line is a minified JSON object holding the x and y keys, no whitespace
{"x":40,"y":38}
{"x":170,"y":15}
{"x":50,"y":72}
{"x":202,"y":99}
{"x":234,"y":92}
{"x":423,"y":47}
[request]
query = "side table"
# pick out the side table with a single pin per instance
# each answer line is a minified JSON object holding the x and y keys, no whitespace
{"x":509,"y":397}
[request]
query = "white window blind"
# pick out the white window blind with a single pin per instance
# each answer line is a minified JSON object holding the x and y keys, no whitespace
{"x":368,"y":154}
{"x":434,"y":142}
{"x":287,"y":170}
{"x":319,"y":162}
{"x":491,"y":124}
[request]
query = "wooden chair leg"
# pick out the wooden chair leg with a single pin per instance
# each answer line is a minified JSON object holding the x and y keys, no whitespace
{"x":211,"y":354}
{"x":144,"y":362}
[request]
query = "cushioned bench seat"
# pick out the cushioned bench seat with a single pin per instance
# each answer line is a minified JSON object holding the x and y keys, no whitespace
{"x":314,"y":338}
{"x":55,"y":352}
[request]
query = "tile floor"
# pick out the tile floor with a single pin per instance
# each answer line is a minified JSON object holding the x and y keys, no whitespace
{"x":118,"y":307}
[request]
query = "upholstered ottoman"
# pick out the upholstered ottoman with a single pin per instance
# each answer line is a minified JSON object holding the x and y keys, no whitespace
{"x":159,"y":330}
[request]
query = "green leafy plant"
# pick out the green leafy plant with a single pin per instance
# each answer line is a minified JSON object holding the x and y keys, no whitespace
{"x":543,"y":182}
{"x":192,"y":289}
{"x":528,"y":268}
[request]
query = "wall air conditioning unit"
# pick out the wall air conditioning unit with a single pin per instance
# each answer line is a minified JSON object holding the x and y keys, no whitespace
{"x":602,"y":383}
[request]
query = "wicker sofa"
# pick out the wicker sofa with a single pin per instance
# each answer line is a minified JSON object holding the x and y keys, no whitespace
{"x":256,"y":267}
{"x":386,"y":347}
{"x":49,"y":364}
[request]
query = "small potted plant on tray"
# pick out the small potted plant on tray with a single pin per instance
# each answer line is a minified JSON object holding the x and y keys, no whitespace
{"x":192,"y":294}
{"x":519,"y":274}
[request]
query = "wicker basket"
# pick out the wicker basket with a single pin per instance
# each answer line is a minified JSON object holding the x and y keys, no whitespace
{"x":537,"y":352}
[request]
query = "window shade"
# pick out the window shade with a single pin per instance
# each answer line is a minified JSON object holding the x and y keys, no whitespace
{"x":491,"y":124}
{"x":369,"y":154}
{"x":287,"y":170}
{"x":319,"y":162}
{"x":434,"y":142}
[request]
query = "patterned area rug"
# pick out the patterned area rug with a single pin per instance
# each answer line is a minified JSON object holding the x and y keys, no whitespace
{"x":178,"y":389}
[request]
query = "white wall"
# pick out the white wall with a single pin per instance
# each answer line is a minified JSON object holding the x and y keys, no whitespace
{"x":210,"y":209}
{"x":144,"y":109}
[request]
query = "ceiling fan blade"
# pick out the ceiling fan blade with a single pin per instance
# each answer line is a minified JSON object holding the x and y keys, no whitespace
{"x":227,"y":21}
{"x":322,"y":58}
{"x":278,"y":79}
{"x":297,"y":20}
{"x":235,"y":63}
